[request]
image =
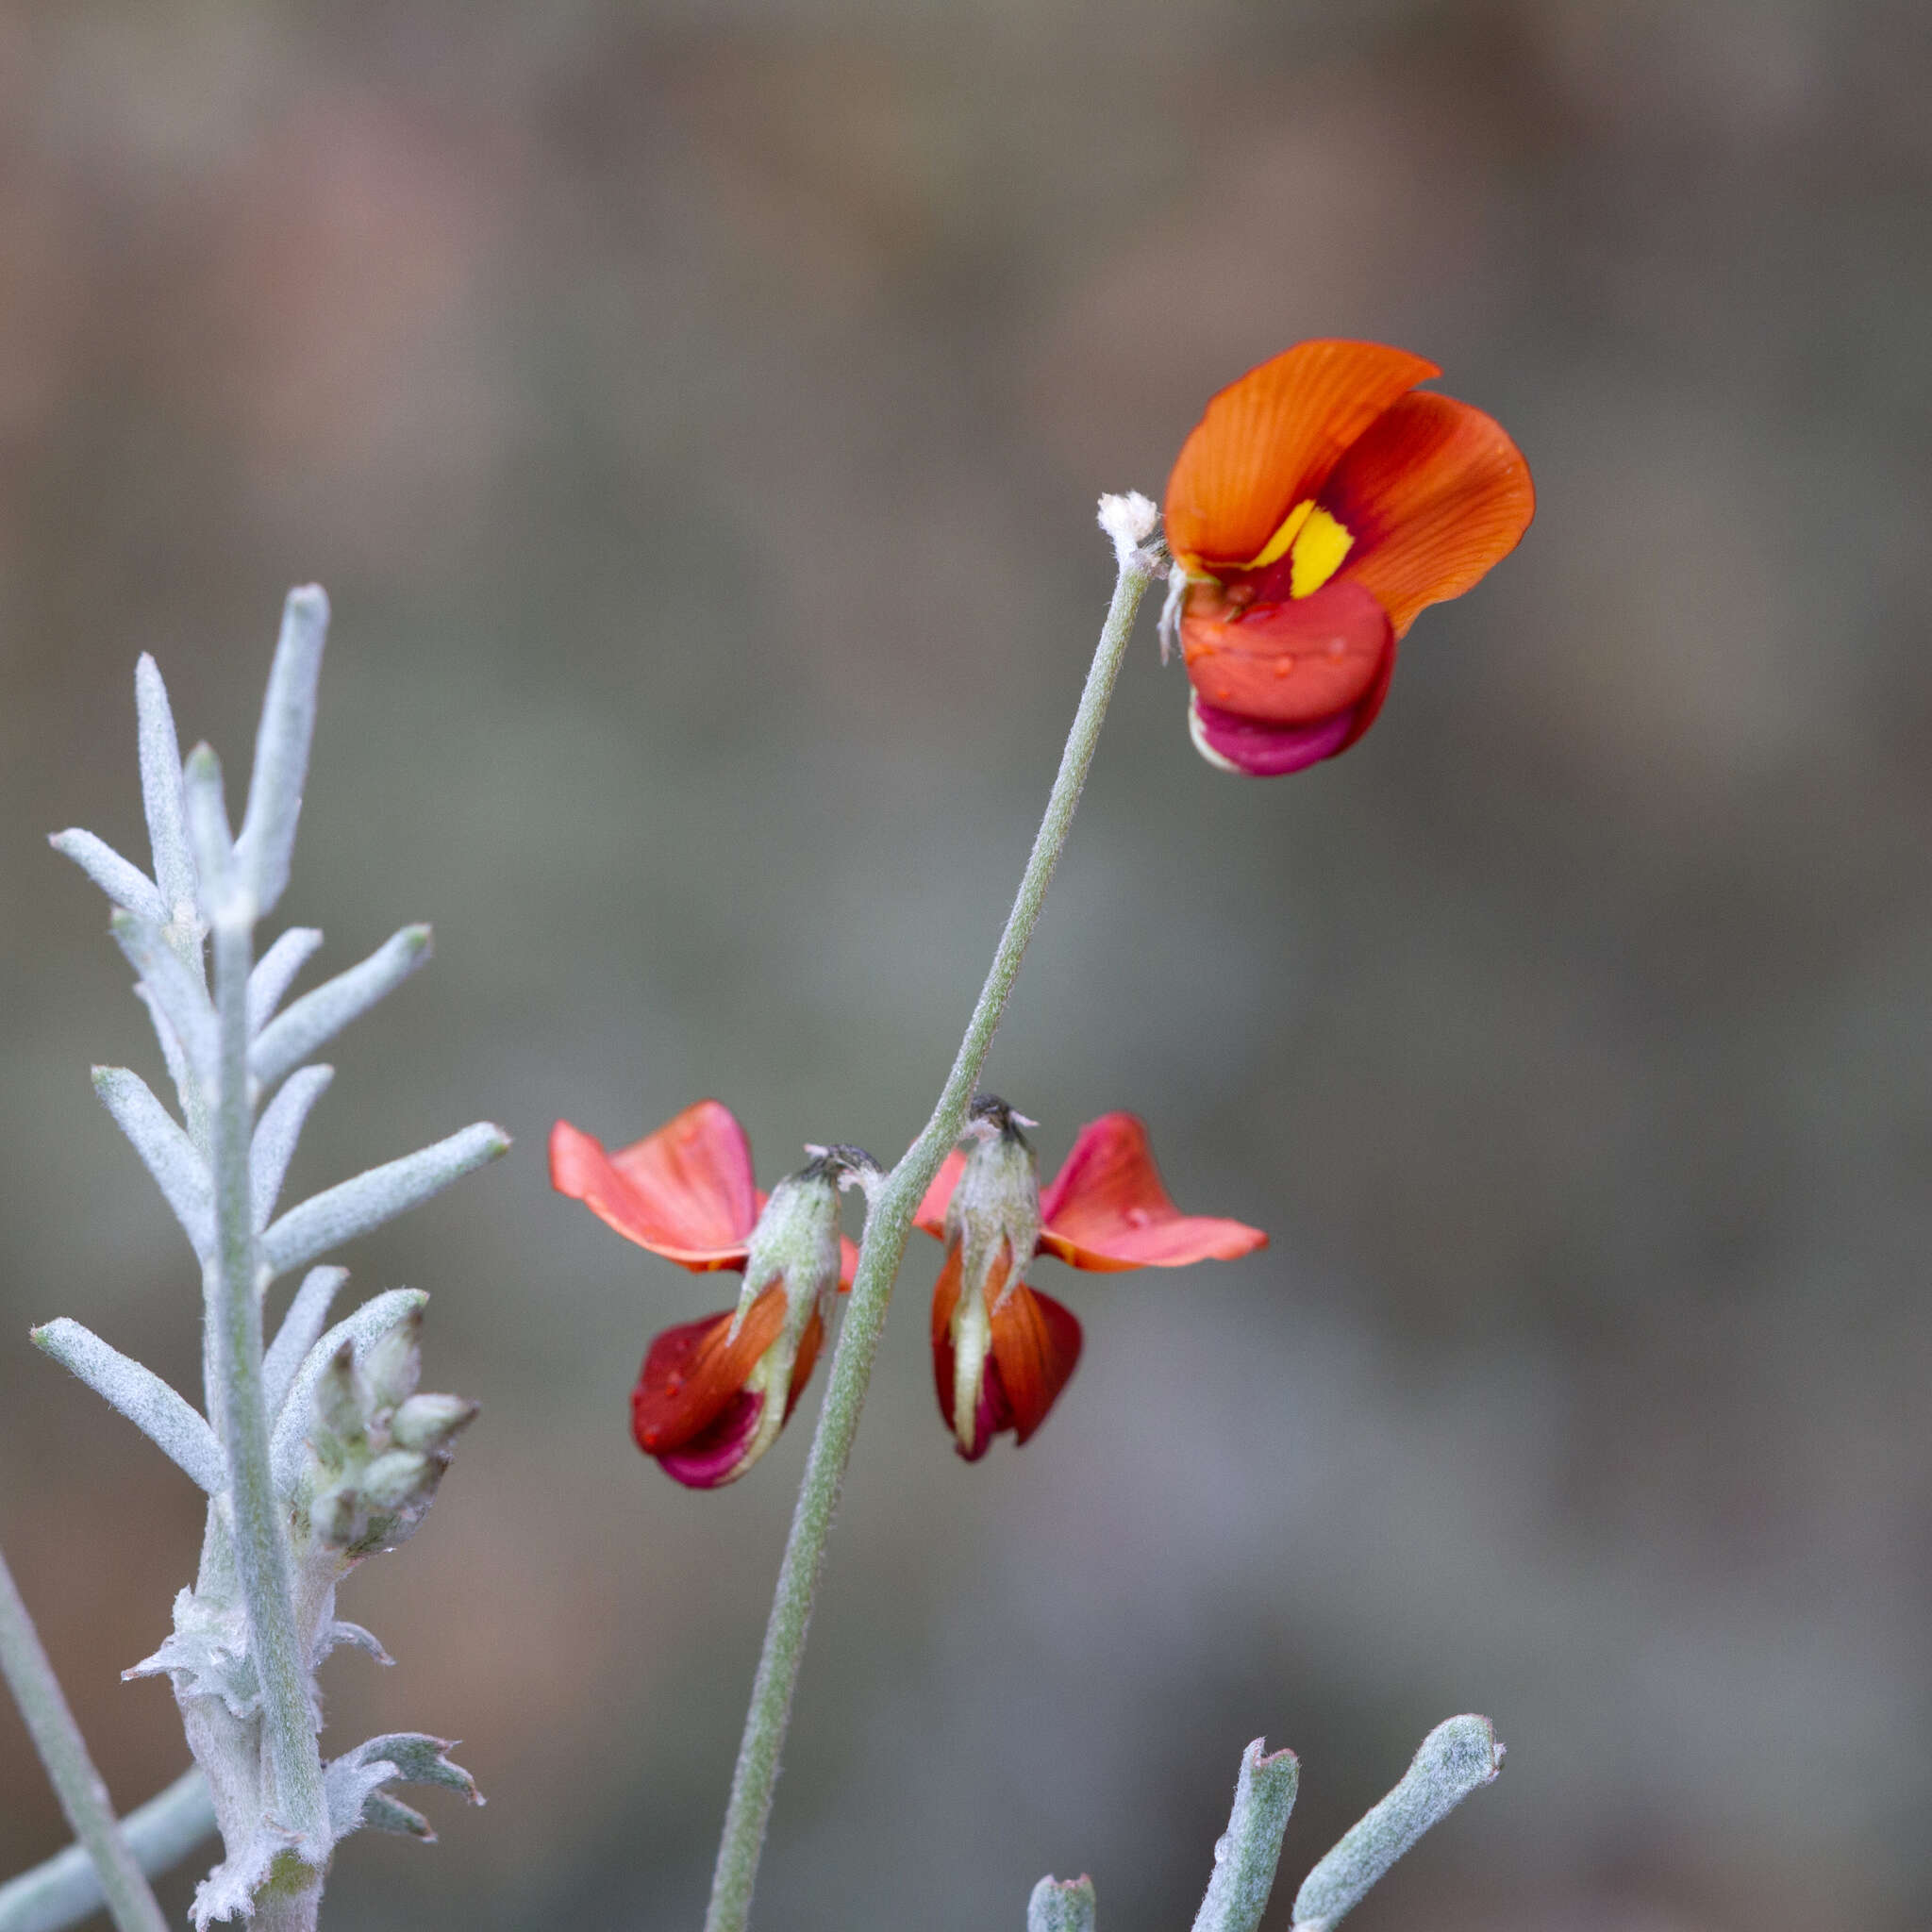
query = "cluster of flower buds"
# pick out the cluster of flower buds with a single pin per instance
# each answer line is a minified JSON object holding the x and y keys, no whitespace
{"x":376,"y":1449}
{"x":714,"y":1393}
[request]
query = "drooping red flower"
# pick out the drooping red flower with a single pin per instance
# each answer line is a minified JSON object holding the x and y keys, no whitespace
{"x":1318,"y":506}
{"x":1002,"y":1350}
{"x":713,"y":1395}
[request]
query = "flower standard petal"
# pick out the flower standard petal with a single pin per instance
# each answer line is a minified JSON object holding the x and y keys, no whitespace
{"x":1107,"y":1210}
{"x":1433,"y":493}
{"x":685,"y":1192}
{"x":1266,"y":444}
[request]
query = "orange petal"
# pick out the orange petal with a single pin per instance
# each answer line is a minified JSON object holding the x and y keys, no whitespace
{"x":932,"y":1210}
{"x":1290,"y":663}
{"x":1268,"y":440}
{"x":848,"y":1262}
{"x":1433,"y":493}
{"x":1035,"y":1343}
{"x":693,"y":1372}
{"x":685,"y":1191}
{"x":1107,"y":1208}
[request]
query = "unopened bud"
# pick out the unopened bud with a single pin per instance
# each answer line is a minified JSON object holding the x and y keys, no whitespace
{"x":393,"y":1366}
{"x":398,"y":1478}
{"x":428,"y":1421}
{"x":342,"y":1402}
{"x":333,"y":1514}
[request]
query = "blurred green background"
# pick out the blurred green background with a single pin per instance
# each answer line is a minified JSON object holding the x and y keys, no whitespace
{"x":695,"y":412}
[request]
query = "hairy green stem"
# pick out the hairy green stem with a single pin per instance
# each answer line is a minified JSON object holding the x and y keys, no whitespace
{"x":63,"y":1751}
{"x":261,"y":1547}
{"x":887,"y":1225}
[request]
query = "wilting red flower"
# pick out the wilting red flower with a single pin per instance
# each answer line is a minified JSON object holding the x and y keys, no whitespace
{"x":713,"y":1395}
{"x":1002,"y":1351}
{"x":1320,"y":502}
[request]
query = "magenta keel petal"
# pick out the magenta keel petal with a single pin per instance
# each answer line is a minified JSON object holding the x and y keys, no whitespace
{"x":711,"y":1456}
{"x":1264,"y":750}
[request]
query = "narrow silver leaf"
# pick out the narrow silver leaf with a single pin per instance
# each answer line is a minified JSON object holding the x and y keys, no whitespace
{"x":275,"y":1135}
{"x":304,"y":1321}
{"x":1249,"y":1850}
{"x":276,"y":971}
{"x":205,"y":807}
{"x":171,"y":1052}
{"x":354,"y":1206}
{"x":125,"y":884}
{"x":161,"y":1415}
{"x":1455,"y":1758}
{"x":160,"y":788}
{"x":281,"y":747}
{"x":181,"y":998}
{"x":169,"y":1153}
{"x":364,"y":1328}
{"x":1061,"y":1904}
{"x":320,"y":1015}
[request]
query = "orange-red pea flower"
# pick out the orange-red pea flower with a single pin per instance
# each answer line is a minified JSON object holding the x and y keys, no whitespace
{"x":713,"y":1395}
{"x":1002,"y":1351}
{"x":1317,"y":507}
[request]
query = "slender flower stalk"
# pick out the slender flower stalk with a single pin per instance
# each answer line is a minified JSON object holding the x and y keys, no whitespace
{"x":56,"y":1737}
{"x":1130,"y":521}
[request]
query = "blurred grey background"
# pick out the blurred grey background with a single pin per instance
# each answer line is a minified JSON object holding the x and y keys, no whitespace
{"x":695,"y":413}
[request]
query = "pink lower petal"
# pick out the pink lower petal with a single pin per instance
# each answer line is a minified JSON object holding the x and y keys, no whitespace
{"x":710,"y":1458}
{"x":1264,"y":750}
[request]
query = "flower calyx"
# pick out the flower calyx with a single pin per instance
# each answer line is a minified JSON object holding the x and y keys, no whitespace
{"x":713,"y":1395}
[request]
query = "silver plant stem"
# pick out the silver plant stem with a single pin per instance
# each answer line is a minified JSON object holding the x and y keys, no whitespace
{"x":888,"y":1222}
{"x":261,"y":1552}
{"x":56,"y":1737}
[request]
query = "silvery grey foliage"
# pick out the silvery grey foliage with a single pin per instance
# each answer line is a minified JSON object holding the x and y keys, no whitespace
{"x":1248,"y":1851}
{"x":318,"y":1450}
{"x":1454,"y":1760}
{"x":1061,"y":1904}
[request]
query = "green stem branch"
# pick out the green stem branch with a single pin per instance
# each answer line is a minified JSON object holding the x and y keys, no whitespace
{"x":889,"y":1222}
{"x":56,"y":1737}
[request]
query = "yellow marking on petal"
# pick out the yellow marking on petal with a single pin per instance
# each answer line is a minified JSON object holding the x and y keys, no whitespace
{"x":1278,"y":545}
{"x":1319,"y":547}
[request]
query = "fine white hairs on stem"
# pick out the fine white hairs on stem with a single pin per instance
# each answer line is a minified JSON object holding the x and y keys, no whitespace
{"x":1130,"y":521}
{"x":1455,"y":1758}
{"x":1249,"y":1850}
{"x":1061,"y":1904}
{"x":281,"y":747}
